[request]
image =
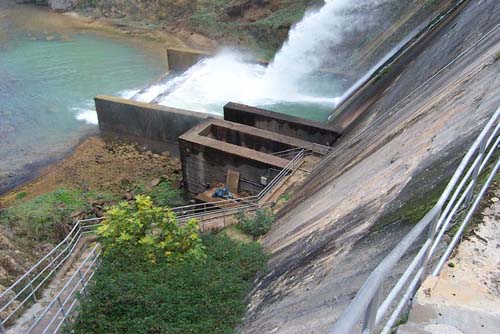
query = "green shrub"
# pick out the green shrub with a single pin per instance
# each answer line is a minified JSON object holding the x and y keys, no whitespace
{"x":44,"y":218}
{"x":154,"y":230}
{"x":21,"y":195}
{"x":128,"y":295}
{"x":164,"y":195}
{"x":257,"y":224}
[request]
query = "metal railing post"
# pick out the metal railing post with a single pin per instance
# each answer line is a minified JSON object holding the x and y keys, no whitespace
{"x":61,"y":307}
{"x":2,"y":328}
{"x":31,"y":288}
{"x":82,"y":281}
{"x":475,"y":173}
{"x":371,"y":312}
{"x":431,"y":234}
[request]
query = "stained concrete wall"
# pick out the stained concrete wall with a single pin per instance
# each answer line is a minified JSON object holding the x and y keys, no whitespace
{"x":155,"y":126}
{"x":203,"y":165}
{"x":206,"y":160}
{"x":182,"y":59}
{"x":239,"y":138}
{"x":281,"y":123}
{"x":344,"y":219}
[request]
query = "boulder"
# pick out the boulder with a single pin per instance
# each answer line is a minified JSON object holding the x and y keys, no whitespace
{"x":62,"y":5}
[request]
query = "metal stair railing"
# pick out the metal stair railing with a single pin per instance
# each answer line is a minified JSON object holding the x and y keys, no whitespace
{"x":231,"y":206}
{"x":23,"y":292}
{"x":58,"y":312}
{"x":368,"y":312}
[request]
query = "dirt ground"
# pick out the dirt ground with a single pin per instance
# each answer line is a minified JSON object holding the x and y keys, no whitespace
{"x":96,"y":165}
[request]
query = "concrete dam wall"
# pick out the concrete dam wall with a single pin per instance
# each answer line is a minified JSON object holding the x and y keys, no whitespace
{"x":354,"y":209}
{"x":154,"y":126}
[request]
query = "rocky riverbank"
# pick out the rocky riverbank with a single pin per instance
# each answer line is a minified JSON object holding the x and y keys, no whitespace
{"x":35,"y":216}
{"x":261,"y":26}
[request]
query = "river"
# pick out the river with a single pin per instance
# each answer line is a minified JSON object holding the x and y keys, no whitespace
{"x":50,"y":70}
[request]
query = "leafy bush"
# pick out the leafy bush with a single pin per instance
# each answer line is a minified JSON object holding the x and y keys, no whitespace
{"x":154,"y":230}
{"x":258,"y":224}
{"x":128,"y":295}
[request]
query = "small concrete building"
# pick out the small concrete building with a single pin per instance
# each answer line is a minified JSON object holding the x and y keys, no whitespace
{"x":214,"y":147}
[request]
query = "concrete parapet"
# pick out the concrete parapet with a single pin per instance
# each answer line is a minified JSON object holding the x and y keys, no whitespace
{"x":182,"y":59}
{"x":287,"y":125}
{"x":155,"y":126}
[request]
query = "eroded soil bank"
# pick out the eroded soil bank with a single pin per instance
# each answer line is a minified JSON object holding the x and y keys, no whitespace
{"x":97,"y":174}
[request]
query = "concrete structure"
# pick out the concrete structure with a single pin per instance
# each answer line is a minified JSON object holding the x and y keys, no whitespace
{"x":215,"y":146}
{"x":465,"y":297}
{"x":281,"y":123}
{"x":154,"y":126}
{"x":182,"y":59}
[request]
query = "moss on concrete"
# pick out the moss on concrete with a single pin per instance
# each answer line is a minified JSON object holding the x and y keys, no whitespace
{"x":413,"y":210}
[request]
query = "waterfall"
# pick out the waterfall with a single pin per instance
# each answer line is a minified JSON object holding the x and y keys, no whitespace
{"x":289,"y":78}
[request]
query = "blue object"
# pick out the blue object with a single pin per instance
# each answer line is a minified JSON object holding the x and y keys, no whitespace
{"x":222,"y":193}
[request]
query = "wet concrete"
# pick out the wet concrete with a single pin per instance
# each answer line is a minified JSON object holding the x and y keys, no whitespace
{"x":325,"y":244}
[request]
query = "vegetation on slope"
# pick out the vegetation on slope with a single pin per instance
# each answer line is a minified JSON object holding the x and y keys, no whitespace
{"x":153,"y":230}
{"x":261,"y":25}
{"x":130,"y":295}
{"x":256,"y":224}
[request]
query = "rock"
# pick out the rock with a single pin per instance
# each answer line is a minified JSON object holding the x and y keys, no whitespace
{"x":494,"y":199}
{"x":176,"y":184}
{"x":44,"y":249}
{"x":154,"y":182}
{"x":76,"y":215}
{"x":61,"y":5}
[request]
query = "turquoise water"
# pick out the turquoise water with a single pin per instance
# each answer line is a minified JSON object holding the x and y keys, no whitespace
{"x":47,"y":85}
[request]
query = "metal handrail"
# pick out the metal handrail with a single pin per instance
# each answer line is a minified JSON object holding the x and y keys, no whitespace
{"x":368,"y":308}
{"x":24,"y":289}
{"x":39,"y":274}
{"x":63,"y":304}
{"x":230,"y":205}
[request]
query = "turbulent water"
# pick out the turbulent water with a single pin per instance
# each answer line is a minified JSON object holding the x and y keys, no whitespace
{"x":294,"y":82}
{"x":47,"y":84}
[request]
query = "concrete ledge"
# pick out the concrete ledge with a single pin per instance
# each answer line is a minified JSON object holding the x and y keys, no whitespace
{"x":155,"y":126}
{"x":283,"y":124}
{"x":182,"y":59}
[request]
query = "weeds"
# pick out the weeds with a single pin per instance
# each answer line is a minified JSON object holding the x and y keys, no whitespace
{"x":256,"y":224}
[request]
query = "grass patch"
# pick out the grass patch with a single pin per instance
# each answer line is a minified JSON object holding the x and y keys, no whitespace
{"x":236,"y":234}
{"x":21,"y":195}
{"x":44,"y":218}
{"x":133,"y":296}
{"x":163,"y":194}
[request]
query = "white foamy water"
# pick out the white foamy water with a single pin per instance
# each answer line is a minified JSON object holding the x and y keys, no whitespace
{"x":88,"y":114}
{"x":211,"y":83}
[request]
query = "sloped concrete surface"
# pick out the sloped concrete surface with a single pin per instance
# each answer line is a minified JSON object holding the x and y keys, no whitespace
{"x":328,"y":239}
{"x":465,"y":298}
